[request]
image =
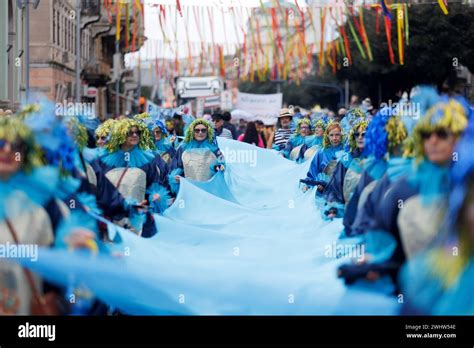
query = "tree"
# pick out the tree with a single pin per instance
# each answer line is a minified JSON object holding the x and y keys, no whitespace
{"x":438,"y":44}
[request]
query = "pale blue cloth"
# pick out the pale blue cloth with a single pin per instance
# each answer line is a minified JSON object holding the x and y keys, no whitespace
{"x":246,"y":242}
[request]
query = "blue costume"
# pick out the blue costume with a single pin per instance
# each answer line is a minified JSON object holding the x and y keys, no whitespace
{"x":407,"y":213}
{"x":196,"y":160}
{"x":439,"y":281}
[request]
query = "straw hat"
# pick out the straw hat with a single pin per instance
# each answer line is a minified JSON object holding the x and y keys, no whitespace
{"x":285,"y":112}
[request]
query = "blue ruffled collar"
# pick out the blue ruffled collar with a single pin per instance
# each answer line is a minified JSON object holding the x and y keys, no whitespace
{"x":431,"y":180}
{"x":399,"y":166}
{"x":163,"y":145}
{"x":134,"y":158}
{"x":193,"y":144}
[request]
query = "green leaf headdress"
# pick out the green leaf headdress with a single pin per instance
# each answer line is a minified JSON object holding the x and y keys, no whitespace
{"x":105,"y":129}
{"x":447,"y":114}
{"x":190,"y":131}
{"x":359,"y":126}
{"x":300,"y":122}
{"x":13,"y":130}
{"x":78,"y":132}
{"x":120,"y":132}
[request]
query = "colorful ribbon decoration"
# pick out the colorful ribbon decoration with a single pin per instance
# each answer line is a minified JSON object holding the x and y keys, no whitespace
{"x":443,"y":4}
{"x":400,"y":23}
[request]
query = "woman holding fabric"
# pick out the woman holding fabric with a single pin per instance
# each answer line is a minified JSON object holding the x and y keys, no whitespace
{"x":346,"y":174}
{"x":325,"y":161}
{"x":300,"y":138}
{"x":136,"y":172}
{"x":198,"y":157}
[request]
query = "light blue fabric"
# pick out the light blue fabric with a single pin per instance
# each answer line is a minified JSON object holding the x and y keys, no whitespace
{"x":246,"y":242}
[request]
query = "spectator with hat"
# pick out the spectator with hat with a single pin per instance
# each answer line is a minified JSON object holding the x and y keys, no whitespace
{"x":219,"y":128}
{"x":283,"y":132}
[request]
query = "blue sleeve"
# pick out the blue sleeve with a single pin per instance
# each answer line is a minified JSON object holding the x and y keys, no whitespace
{"x":54,"y":213}
{"x":177,"y":162}
{"x":366,"y":219}
{"x":287,"y":150}
{"x":351,"y":207}
{"x":315,"y":167}
{"x":334,"y":189}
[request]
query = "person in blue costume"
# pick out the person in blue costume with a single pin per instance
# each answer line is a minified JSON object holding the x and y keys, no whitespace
{"x":408,"y":217}
{"x":136,"y":172}
{"x":388,"y":144}
{"x":30,"y":213}
{"x":307,"y":151}
{"x":198,"y":157}
{"x":163,"y":146}
{"x":103,"y":132}
{"x":439,"y":281}
{"x":346,"y":175}
{"x":384,"y":146}
{"x":302,"y":136}
{"x":325,"y":161}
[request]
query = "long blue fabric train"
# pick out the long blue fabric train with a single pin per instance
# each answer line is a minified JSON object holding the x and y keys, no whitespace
{"x":247,"y":242}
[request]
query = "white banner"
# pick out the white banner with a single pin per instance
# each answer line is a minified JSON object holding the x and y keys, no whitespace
{"x":263,"y":106}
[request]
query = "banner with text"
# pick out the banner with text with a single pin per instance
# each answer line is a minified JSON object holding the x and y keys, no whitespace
{"x":263,"y":106}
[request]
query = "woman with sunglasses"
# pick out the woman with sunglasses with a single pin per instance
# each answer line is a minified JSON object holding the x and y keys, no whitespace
{"x":387,"y":159}
{"x":136,"y":172}
{"x":325,"y":161}
{"x":301,"y":137}
{"x":389,"y":151}
{"x":444,"y":273}
{"x":346,"y":175}
{"x":307,"y":151}
{"x":408,"y":218}
{"x":198,"y":157}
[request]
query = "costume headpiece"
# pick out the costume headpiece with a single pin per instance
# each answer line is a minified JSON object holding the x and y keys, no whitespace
{"x":190,"y":131}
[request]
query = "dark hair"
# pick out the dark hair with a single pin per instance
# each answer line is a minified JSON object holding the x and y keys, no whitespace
{"x":251,"y":134}
{"x":259,"y":122}
{"x":297,"y":110}
{"x":216,"y":116}
{"x":226,"y":116}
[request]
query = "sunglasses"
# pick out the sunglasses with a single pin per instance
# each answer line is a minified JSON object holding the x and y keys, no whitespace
{"x":15,"y":147}
{"x":440,"y":133}
{"x":132,"y":133}
{"x":359,"y":134}
{"x":101,"y":138}
{"x":200,"y":130}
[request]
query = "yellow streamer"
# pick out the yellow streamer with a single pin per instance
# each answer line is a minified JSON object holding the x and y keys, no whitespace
{"x":443,"y":7}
